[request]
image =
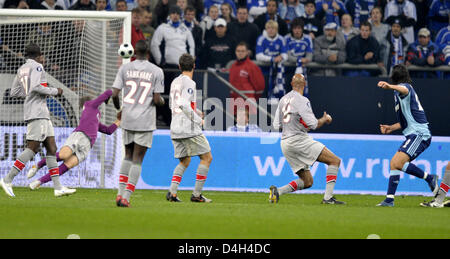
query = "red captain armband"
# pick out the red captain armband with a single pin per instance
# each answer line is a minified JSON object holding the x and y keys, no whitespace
{"x":44,"y":84}
{"x":303,"y":123}
{"x":193,"y":105}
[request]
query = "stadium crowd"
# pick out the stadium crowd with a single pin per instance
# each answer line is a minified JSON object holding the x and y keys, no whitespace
{"x":281,"y":33}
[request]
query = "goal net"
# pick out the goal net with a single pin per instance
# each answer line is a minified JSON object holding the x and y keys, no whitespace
{"x":80,"y":51}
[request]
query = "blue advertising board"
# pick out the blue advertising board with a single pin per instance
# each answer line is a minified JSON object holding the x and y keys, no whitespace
{"x":253,"y":162}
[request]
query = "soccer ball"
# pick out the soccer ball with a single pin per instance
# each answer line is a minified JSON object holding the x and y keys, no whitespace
{"x":126,"y":50}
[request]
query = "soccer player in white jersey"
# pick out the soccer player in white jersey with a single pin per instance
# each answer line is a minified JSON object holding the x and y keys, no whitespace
{"x":295,"y":117}
{"x":186,"y":131}
{"x":414,"y":126}
{"x":30,"y":83}
{"x":142,"y":83}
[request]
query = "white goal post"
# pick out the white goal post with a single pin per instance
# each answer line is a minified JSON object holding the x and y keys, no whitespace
{"x":80,"y":52}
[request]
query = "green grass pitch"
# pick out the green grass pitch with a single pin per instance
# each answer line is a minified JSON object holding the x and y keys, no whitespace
{"x":91,"y":213}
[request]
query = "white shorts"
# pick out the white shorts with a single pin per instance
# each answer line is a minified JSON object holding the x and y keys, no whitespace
{"x":301,"y":151}
{"x":189,"y":147}
{"x":39,"y":130}
{"x":142,"y":138}
{"x":80,"y":145}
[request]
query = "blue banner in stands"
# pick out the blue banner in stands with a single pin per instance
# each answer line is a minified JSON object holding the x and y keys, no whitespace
{"x":253,"y":162}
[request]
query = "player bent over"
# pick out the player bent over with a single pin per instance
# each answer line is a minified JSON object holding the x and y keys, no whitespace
{"x":142,"y":82}
{"x":186,"y":131}
{"x":31,"y":83}
{"x":413,"y":122}
{"x":438,"y":201}
{"x":295,"y":116}
{"x":79,"y":143}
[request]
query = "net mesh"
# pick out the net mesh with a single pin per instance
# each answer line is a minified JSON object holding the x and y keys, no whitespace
{"x":80,"y":57}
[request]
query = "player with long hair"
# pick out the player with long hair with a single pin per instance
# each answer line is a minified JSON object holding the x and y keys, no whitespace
{"x":414,"y":125}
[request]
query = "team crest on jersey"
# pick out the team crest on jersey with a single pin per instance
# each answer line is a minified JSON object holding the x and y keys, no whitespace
{"x":39,"y":69}
{"x":190,"y":91}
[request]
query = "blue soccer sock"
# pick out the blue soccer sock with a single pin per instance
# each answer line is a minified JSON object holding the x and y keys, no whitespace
{"x":412,"y":169}
{"x":394,"y":180}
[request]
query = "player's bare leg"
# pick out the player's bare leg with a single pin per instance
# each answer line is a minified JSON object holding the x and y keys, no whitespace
{"x":304,"y":181}
{"x":65,"y":152}
{"x":176,"y":179}
{"x":134,"y":173}
{"x":400,"y":162}
{"x":19,"y":164}
{"x":412,"y":169}
{"x":333,"y":162}
{"x":202,"y":173}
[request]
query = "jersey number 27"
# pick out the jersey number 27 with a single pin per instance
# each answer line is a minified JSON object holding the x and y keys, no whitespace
{"x":129,"y":98}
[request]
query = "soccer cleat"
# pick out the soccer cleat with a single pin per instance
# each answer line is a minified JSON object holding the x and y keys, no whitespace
{"x":64,"y":192}
{"x":118,"y":198}
{"x":200,"y":198}
{"x":332,"y":200}
{"x":274,"y":196}
{"x":446,"y":203}
{"x":32,"y":172}
{"x":385,"y":204}
{"x":124,"y":203}
{"x":34,"y":185}
{"x":434,"y":186}
{"x":172,"y":197}
{"x":432,"y":204}
{"x":7,"y":187}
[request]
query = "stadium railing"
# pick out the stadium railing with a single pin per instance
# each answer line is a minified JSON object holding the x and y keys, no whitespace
{"x":383,"y":71}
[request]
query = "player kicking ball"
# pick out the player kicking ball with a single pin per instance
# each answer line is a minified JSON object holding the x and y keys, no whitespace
{"x":79,"y":144}
{"x":186,"y":131}
{"x":295,"y":116}
{"x":142,"y":83}
{"x":438,"y":201}
{"x":413,"y":122}
{"x":30,"y":83}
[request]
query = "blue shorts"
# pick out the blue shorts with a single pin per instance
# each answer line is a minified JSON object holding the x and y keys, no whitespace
{"x":414,"y":145}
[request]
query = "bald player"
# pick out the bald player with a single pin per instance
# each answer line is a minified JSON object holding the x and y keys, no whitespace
{"x":295,"y":117}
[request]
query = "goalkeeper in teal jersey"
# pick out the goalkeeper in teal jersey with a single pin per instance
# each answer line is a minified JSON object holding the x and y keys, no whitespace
{"x":414,"y":124}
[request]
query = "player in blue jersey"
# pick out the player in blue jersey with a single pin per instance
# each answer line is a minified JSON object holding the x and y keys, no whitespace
{"x":414,"y":123}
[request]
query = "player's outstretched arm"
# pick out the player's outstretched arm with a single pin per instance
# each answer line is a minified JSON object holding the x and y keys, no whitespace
{"x":108,"y":130}
{"x":399,"y":88}
{"x":102,"y":98}
{"x":325,"y":119}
